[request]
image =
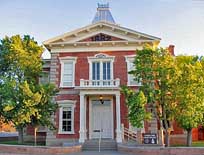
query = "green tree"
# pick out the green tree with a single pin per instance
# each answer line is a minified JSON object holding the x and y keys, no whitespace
{"x":153,"y":68}
{"x":21,"y":97}
{"x":136,"y":102}
{"x":189,"y":93}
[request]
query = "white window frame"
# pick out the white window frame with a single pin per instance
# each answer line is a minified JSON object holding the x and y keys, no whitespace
{"x":62,"y":61}
{"x":66,"y":104}
{"x":130,"y":59}
{"x":101,"y":57}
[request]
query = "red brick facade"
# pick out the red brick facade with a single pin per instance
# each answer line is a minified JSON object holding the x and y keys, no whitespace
{"x":82,"y":72}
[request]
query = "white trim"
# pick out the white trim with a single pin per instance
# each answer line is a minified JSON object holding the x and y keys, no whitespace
{"x":90,"y":114}
{"x":99,"y":92}
{"x":130,"y":59}
{"x":62,"y":61}
{"x":65,"y":104}
{"x":97,"y":48}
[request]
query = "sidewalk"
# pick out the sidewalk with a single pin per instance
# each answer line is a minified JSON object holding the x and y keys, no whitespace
{"x":82,"y":153}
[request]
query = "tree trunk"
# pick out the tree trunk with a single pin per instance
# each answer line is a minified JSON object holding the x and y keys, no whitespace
{"x":167,"y":138}
{"x":20,"y":135}
{"x":189,"y":137}
{"x":35,"y":136}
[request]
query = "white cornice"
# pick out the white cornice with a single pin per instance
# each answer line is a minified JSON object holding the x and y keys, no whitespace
{"x":98,"y":49}
{"x":103,"y":42}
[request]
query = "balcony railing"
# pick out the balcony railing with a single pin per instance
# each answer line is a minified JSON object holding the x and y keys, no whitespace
{"x":100,"y":83}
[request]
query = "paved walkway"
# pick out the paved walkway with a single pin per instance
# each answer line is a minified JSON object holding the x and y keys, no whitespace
{"x":98,"y":153}
{"x":82,"y":153}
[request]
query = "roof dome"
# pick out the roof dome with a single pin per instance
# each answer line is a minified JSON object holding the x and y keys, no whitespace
{"x":103,"y":14}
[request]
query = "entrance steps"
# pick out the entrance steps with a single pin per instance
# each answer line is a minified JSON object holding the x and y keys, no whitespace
{"x":93,"y":145}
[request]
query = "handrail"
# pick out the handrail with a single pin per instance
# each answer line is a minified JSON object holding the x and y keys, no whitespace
{"x":99,"y":140}
{"x":99,"y":143}
{"x":131,"y":135}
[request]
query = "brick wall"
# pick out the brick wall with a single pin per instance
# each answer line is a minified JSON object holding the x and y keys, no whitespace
{"x":161,"y":150}
{"x":38,"y":150}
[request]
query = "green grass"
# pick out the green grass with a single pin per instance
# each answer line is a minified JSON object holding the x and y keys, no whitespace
{"x":198,"y":144}
{"x":194,"y":144}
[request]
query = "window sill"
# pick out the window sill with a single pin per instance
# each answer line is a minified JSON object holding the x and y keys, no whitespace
{"x":66,"y":86}
{"x":67,"y":133}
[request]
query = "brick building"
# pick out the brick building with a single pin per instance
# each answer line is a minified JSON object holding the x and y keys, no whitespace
{"x":89,"y":65}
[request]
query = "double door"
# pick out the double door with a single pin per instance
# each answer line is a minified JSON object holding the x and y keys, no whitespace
{"x":101,"y":119}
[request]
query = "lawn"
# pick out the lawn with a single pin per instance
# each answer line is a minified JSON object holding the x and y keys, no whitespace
{"x":198,"y":144}
{"x":194,"y":144}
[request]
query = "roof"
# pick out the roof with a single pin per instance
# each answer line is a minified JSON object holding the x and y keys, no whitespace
{"x":103,"y":14}
{"x":99,"y":25}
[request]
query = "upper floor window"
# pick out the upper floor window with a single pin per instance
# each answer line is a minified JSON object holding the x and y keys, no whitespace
{"x":101,"y":67}
{"x":130,"y":66}
{"x":106,"y":69}
{"x":67,"y":71}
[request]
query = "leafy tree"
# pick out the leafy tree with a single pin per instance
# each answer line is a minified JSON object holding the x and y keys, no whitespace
{"x":189,"y":93}
{"x":153,"y":68}
{"x":136,"y":102}
{"x":22,"y":99}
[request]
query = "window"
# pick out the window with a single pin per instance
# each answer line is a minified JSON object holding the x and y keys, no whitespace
{"x":106,"y":71}
{"x":44,"y":78}
{"x":66,"y":117}
{"x":67,"y":71}
{"x":101,"y":69}
{"x":96,"y":71}
{"x":130,"y":66}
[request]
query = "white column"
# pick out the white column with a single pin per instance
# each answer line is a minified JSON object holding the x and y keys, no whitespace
{"x":82,"y":120}
{"x":118,"y":120}
{"x":85,"y":130}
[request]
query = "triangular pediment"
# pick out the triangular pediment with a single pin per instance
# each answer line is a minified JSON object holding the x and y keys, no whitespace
{"x":100,"y":32}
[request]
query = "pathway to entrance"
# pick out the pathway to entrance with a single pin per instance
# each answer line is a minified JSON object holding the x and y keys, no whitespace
{"x":98,"y":153}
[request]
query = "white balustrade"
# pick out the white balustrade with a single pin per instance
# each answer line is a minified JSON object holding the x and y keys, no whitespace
{"x":100,"y":83}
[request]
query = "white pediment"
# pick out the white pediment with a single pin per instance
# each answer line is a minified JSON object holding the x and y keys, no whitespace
{"x":118,"y":34}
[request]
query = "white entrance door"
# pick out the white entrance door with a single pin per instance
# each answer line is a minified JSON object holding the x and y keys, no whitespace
{"x":101,"y":119}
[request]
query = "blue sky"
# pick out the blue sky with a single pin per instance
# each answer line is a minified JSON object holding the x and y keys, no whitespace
{"x":178,"y":22}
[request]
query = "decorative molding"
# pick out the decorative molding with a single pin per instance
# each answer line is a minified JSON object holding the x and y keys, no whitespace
{"x":97,"y":48}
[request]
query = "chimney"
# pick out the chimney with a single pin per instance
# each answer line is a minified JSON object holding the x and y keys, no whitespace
{"x":171,"y":49}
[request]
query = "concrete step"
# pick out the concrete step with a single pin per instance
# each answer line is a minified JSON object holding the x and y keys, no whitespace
{"x":106,"y":144}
